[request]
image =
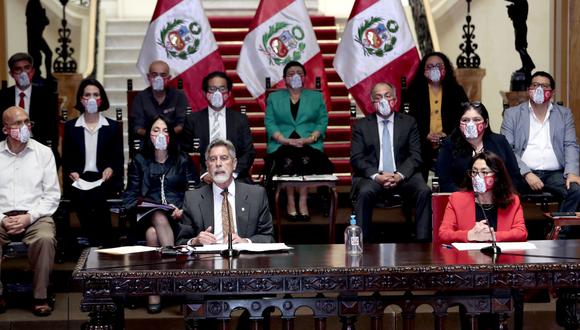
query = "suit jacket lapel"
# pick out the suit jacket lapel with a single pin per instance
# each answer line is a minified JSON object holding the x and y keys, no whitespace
{"x":229,"y":126}
{"x":242,"y":211}
{"x":80,"y":132}
{"x":207,"y":212}
{"x":203,"y":127}
{"x":397,"y":134}
{"x":285,"y":106}
{"x":525,"y":124}
{"x":373,"y":133}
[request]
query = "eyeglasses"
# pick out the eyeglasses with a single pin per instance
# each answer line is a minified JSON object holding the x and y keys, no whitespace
{"x":291,"y":73}
{"x":535,"y":85}
{"x":19,"y":123}
{"x":435,"y":65}
{"x":476,"y":120}
{"x":19,"y":69}
{"x":213,"y":89}
{"x":158,"y":74}
{"x":480,"y":173}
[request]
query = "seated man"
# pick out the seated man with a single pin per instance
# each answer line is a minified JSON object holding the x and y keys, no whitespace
{"x":386,"y":155}
{"x":39,"y":102}
{"x":158,"y":99}
{"x":204,"y":218}
{"x":219,"y":122}
{"x":29,"y":195}
{"x":543,"y":138}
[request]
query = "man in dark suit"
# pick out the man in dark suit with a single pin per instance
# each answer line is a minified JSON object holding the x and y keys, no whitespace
{"x":386,"y":155}
{"x":39,"y":102}
{"x":208,"y":217}
{"x":217,"y":121}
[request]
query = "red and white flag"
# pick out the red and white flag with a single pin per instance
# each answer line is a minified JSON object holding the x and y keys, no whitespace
{"x":376,"y":46}
{"x":280,"y":32}
{"x":180,"y":34}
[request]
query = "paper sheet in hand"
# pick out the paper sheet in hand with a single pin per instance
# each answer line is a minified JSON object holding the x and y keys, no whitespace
{"x":127,"y":249}
{"x":504,"y":246}
{"x":147,"y":207}
{"x":249,"y":247}
{"x":85,"y":185}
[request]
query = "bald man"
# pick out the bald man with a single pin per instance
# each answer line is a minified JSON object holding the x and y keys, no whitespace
{"x":29,"y":195}
{"x":158,"y":99}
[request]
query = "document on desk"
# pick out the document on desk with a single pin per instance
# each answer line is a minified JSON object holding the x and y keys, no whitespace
{"x":302,"y":178}
{"x":127,"y":249}
{"x":247,"y":247}
{"x":86,"y":185}
{"x":504,"y":246}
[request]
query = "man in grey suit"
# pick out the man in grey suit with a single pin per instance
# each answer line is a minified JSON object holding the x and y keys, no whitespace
{"x":543,"y":138}
{"x":385,"y":154}
{"x":206,"y":213}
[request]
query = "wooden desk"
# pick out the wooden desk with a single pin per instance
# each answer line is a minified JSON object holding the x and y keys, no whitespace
{"x":309,"y":184}
{"x":558,"y":222}
{"x":465,"y":277}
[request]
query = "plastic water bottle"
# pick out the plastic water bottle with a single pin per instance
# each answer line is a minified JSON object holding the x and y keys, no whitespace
{"x":353,"y":238}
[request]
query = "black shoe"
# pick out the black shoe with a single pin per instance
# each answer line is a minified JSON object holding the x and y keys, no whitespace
{"x":304,"y":217}
{"x":293,"y":217}
{"x":154,"y":308}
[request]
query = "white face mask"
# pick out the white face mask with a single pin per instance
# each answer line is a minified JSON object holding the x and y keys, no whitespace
{"x":296,"y":81}
{"x":158,"y":84}
{"x":91,"y":106}
{"x":538,"y":97}
{"x":21,"y":134}
{"x":384,"y":108}
{"x":217,"y":100}
{"x":23,"y":79}
{"x":434,"y":74}
{"x":161,"y":141}
{"x":478,"y":184}
{"x":470,"y":130}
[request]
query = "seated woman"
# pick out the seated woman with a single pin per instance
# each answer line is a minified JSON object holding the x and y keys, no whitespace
{"x":471,"y":137}
{"x":296,"y":120}
{"x":159,"y":174}
{"x":93,"y":150}
{"x":435,"y":98}
{"x":488,"y":202}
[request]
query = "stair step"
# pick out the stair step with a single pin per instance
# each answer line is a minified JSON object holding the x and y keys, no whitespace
{"x":331,"y":75}
{"x":229,"y":34}
{"x":244,"y":21}
{"x":234,"y":47}
{"x":230,"y":62}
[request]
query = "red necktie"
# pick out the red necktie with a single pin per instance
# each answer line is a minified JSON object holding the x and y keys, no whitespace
{"x":21,"y":103}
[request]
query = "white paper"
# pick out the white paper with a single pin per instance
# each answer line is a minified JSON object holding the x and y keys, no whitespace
{"x":128,"y":249}
{"x":250,"y":247}
{"x":504,"y":246}
{"x":320,"y":177}
{"x":85,"y":185}
{"x":286,"y":178}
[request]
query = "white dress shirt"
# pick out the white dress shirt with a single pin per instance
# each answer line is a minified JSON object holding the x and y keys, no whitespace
{"x":28,"y":180}
{"x":539,"y":153}
{"x":217,"y":211}
{"x":390,"y":127}
{"x":91,"y":140}
{"x":27,"y":93}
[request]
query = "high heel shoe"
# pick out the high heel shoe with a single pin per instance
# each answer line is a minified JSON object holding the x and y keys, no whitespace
{"x":304,"y":217}
{"x":154,"y":308}
{"x":293,"y":217}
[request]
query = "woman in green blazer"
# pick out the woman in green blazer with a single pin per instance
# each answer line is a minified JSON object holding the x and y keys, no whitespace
{"x":296,"y":120}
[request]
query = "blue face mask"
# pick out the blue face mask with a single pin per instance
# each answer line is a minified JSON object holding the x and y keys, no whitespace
{"x":296,"y":81}
{"x":217,"y":100}
{"x":91,"y":106}
{"x":158,"y":84}
{"x":23,"y":79}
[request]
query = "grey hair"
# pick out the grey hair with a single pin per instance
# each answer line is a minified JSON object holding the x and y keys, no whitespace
{"x":221,"y":143}
{"x":393,"y":88}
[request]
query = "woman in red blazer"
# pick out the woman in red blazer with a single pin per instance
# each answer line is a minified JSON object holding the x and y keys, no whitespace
{"x":488,"y":199}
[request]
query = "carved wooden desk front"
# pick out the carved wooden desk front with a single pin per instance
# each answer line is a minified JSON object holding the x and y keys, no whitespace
{"x":480,"y":284}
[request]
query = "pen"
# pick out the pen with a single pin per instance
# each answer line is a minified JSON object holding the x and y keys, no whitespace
{"x":447,"y":246}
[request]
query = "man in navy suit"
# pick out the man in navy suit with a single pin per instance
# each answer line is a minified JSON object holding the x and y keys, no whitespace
{"x":206,"y":213}
{"x":217,"y":121}
{"x":386,"y":155}
{"x":37,"y":101}
{"x":543,"y":137}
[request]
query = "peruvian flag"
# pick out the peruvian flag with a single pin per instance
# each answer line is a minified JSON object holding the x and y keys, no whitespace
{"x":180,"y":34}
{"x":280,"y":32}
{"x":376,"y":46}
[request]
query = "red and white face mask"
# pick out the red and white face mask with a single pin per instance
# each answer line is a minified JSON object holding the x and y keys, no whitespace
{"x":540,"y":95}
{"x":160,"y":141}
{"x":435,"y":74}
{"x":483,"y":184}
{"x":471,"y":130}
{"x":385,"y":107}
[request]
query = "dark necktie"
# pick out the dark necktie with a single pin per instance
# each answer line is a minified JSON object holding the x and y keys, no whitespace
{"x":21,"y":102}
{"x":226,"y":216}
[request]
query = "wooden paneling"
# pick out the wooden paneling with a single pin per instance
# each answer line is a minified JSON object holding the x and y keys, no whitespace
{"x":574,"y":61}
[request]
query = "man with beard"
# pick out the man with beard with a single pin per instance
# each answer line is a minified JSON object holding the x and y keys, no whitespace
{"x":206,"y":211}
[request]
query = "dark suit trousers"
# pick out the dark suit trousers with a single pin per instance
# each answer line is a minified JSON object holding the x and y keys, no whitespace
{"x":555,"y":183}
{"x":412,"y":189}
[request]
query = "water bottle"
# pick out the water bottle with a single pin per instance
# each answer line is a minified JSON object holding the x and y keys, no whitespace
{"x":353,"y":238}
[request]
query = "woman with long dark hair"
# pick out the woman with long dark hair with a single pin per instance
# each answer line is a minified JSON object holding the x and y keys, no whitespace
{"x":159,"y":174}
{"x":435,"y":100}
{"x":487,"y":205}
{"x":472,"y":136}
{"x":92,"y":151}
